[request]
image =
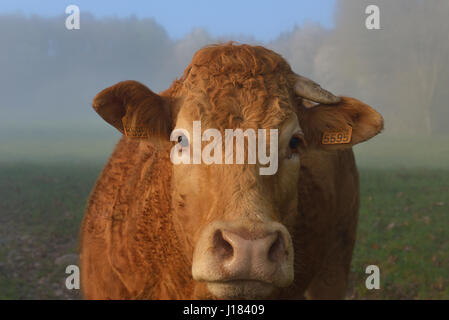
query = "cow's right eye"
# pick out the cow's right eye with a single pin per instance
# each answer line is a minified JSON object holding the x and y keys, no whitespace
{"x":183,"y":141}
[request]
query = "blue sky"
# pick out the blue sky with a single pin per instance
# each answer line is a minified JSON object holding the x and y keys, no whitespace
{"x":262,"y":19}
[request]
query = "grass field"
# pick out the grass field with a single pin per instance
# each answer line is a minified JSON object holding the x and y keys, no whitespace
{"x":403,"y":226}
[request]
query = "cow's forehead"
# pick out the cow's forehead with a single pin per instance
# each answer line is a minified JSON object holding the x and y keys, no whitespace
{"x":238,"y":86}
{"x":237,"y":109}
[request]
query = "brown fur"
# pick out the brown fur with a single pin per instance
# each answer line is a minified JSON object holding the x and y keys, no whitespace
{"x":145,"y":215}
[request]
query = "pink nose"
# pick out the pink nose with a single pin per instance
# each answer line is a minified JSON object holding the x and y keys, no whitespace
{"x":226,"y":253}
{"x":240,"y":255}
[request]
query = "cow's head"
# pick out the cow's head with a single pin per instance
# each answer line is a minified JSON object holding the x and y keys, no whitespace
{"x":237,"y":224}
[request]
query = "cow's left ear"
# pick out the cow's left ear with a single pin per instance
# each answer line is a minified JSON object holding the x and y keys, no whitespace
{"x":340,"y":125}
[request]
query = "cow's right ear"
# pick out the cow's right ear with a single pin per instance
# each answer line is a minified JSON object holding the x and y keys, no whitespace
{"x":135,"y":110}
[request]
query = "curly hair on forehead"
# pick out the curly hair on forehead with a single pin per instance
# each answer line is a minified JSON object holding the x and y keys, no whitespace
{"x":245,"y":86}
{"x":244,"y":60}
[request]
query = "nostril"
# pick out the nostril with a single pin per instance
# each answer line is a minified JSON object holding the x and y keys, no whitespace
{"x":277,"y":249}
{"x":222,"y":248}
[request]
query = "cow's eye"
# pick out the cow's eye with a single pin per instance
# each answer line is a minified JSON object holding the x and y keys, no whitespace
{"x":296,"y":143}
{"x":183,"y":141}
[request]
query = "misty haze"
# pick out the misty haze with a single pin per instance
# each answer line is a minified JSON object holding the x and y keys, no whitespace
{"x":49,"y":75}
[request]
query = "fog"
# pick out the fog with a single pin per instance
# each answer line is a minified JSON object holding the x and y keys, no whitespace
{"x":401,"y":69}
{"x":49,"y":75}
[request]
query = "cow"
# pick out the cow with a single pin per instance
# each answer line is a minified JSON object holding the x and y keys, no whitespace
{"x":154,"y":229}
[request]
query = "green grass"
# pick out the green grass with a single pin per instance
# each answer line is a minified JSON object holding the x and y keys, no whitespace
{"x":40,"y":214}
{"x":403,"y":228}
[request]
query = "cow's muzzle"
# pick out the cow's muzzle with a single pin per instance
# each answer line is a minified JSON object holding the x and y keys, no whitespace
{"x":244,"y":259}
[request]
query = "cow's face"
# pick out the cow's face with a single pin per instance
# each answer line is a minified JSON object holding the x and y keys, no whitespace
{"x":237,"y":220}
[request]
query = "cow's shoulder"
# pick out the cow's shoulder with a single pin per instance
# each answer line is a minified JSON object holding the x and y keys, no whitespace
{"x":133,"y":167}
{"x":130,"y":200}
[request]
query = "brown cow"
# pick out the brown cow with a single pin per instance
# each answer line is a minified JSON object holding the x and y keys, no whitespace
{"x":156,"y":230}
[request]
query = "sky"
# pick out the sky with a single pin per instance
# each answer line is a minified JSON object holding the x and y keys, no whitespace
{"x":263,"y":19}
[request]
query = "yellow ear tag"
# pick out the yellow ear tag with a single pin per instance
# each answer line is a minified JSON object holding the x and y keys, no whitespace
{"x":337,"y":137}
{"x":134,"y":131}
